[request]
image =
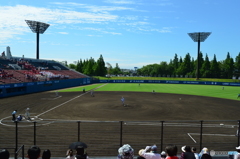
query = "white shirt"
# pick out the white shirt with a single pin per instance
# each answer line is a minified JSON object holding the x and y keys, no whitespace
{"x":70,"y":157}
{"x":237,"y":156}
{"x":196,"y":155}
{"x":150,"y":155}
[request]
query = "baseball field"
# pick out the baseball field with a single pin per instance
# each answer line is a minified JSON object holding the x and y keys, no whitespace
{"x":68,"y":115}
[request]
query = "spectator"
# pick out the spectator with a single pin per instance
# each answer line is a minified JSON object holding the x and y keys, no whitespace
{"x":204,"y":154}
{"x":152,"y":154}
{"x":194,"y":150}
{"x":187,"y":153}
{"x":163,"y":155}
{"x":125,"y":152}
{"x":171,"y":151}
{"x":34,"y":152}
{"x":139,"y":153}
{"x":4,"y":154}
{"x":81,"y":154}
{"x":69,"y":154}
{"x":46,"y":154}
{"x":237,"y":156}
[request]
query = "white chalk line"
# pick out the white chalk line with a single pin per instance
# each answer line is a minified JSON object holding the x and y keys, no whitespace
{"x":51,"y":98}
{"x":67,"y":102}
{"x":190,"y":135}
{"x":192,"y":138}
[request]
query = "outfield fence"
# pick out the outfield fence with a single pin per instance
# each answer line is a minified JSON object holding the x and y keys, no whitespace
{"x":104,"y":138}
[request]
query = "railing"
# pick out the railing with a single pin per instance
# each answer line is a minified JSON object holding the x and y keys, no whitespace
{"x":105,"y":137}
{"x":17,"y":152}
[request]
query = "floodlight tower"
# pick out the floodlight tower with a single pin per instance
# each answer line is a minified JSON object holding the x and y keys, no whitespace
{"x":39,"y":28}
{"x":199,"y":37}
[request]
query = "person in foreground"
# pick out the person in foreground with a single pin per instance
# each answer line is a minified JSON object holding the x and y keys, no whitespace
{"x":171,"y":151}
{"x":237,"y":156}
{"x":34,"y":152}
{"x":4,"y":154}
{"x":125,"y":152}
{"x":204,"y":154}
{"x":81,"y":153}
{"x":150,"y":152}
{"x":46,"y":154}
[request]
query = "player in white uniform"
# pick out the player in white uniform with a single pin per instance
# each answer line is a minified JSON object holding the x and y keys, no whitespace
{"x":27,"y":114}
{"x":92,"y":93}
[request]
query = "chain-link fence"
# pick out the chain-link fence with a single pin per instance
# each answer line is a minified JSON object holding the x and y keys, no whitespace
{"x":104,"y":138}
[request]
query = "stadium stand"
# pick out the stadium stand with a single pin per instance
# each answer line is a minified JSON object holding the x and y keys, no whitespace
{"x":19,"y":70}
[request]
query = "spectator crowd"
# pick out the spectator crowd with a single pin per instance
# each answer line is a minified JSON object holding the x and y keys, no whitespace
{"x":125,"y":152}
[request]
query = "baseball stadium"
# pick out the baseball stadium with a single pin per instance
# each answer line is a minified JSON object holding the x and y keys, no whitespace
{"x":64,"y":106}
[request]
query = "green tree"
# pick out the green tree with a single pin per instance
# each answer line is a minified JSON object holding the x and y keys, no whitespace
{"x":117,"y":70}
{"x":214,"y":68}
{"x":237,"y":65}
{"x":89,"y":67}
{"x":175,"y":63}
{"x":205,"y":69}
{"x":100,"y":69}
{"x":228,"y":67}
{"x":72,"y":66}
{"x":79,"y":67}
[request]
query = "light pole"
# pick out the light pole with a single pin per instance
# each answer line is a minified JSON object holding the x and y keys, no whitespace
{"x":199,"y":37}
{"x":38,"y":28}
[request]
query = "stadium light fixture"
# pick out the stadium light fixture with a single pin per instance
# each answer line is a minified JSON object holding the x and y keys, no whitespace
{"x":199,"y":37}
{"x":38,"y":28}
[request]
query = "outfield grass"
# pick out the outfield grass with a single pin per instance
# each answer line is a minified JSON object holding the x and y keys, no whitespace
{"x":229,"y":92}
{"x":169,"y":79}
{"x":80,"y":88}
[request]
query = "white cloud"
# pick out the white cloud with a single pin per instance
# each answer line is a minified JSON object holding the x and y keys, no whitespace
{"x":120,"y":1}
{"x":12,"y":21}
{"x":62,"y":32}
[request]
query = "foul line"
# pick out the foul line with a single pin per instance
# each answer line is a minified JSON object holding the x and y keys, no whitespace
{"x":189,"y":134}
{"x":67,"y":101}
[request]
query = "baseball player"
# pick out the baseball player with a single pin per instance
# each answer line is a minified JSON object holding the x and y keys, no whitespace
{"x":27,"y":114}
{"x":14,"y":115}
{"x":123,"y":100}
{"x":92,"y":93}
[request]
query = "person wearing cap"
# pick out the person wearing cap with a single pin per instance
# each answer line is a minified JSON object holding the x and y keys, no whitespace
{"x":163,"y":155}
{"x":27,"y":114}
{"x":14,"y":115}
{"x":187,"y":153}
{"x":125,"y":152}
{"x":171,"y":151}
{"x":152,"y":154}
{"x":19,"y":118}
{"x":34,"y":152}
{"x":139,"y":153}
{"x":237,"y":156}
{"x":123,"y":101}
{"x":4,"y":154}
{"x":92,"y":93}
{"x":204,"y":154}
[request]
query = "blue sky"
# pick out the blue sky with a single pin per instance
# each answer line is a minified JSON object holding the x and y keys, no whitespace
{"x":132,"y":33}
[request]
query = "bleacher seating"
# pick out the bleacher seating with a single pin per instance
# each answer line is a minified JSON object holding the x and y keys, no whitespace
{"x":25,"y":70}
{"x":4,"y":64}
